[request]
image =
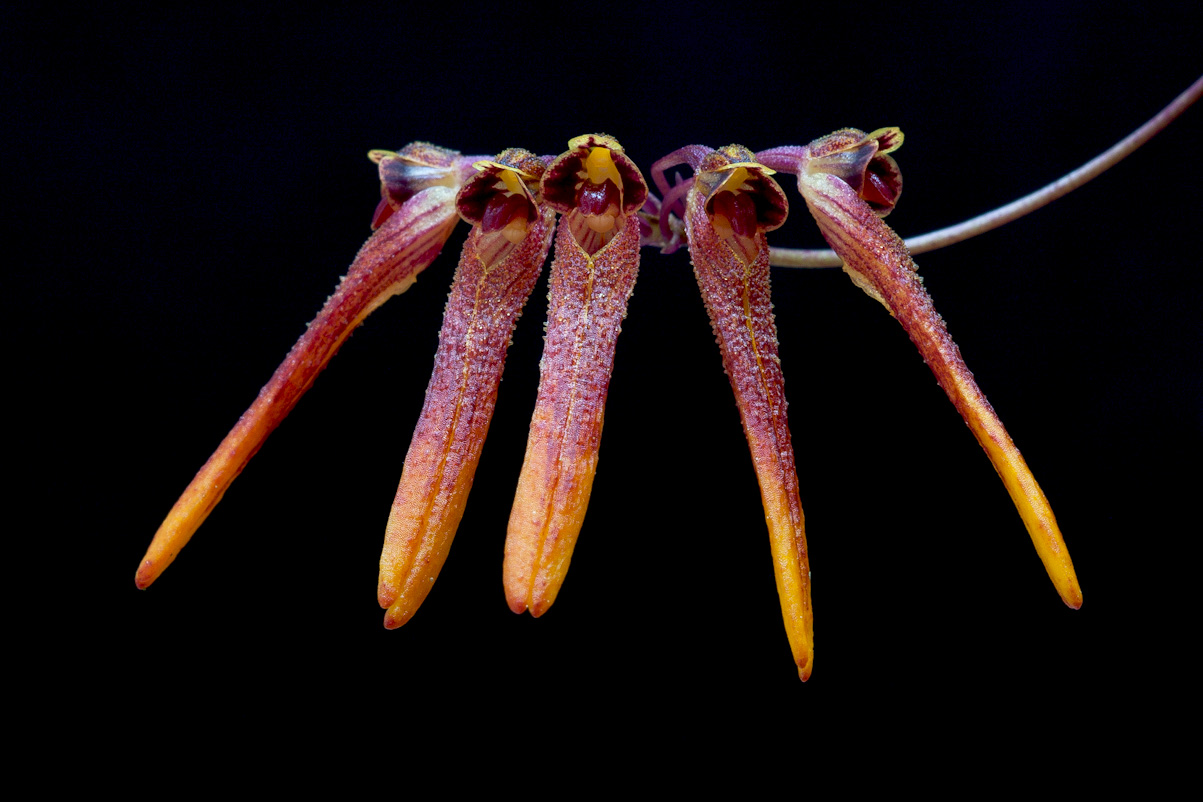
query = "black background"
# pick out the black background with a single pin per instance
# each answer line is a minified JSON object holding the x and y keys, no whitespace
{"x":192,"y":183}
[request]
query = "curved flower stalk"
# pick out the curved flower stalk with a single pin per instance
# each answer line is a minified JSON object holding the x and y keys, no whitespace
{"x":598,"y":190}
{"x":729,"y":205}
{"x":934,"y":240}
{"x":850,"y":183}
{"x":511,"y":233}
{"x":416,"y":214}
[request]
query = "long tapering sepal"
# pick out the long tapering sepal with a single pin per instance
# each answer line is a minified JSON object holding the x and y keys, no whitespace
{"x":599,"y":191}
{"x":849,"y":183}
{"x":731,"y":205}
{"x":512,"y":232}
{"x":414,"y":219}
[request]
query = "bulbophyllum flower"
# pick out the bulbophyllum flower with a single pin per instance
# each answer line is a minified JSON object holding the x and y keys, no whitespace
{"x":511,"y":233}
{"x":850,"y":182}
{"x":728,"y":206}
{"x":598,"y":191}
{"x":416,"y":214}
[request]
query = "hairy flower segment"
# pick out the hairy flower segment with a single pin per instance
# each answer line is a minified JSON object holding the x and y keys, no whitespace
{"x":415,"y":216}
{"x":511,"y":233}
{"x":598,"y":190}
{"x":849,"y":184}
{"x":729,"y":205}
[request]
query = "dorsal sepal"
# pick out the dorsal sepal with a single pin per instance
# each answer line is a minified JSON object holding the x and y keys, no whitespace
{"x":405,"y":173}
{"x":860,"y":161}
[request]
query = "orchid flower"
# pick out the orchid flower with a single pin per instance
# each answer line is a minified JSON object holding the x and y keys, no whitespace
{"x":416,"y":214}
{"x":731,"y":202}
{"x":598,"y":190}
{"x":511,"y":233}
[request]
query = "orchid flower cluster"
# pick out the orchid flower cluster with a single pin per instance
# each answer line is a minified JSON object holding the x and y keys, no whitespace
{"x":723,"y":213}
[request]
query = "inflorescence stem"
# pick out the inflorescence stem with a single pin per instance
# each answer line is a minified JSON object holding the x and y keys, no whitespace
{"x":797,"y":257}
